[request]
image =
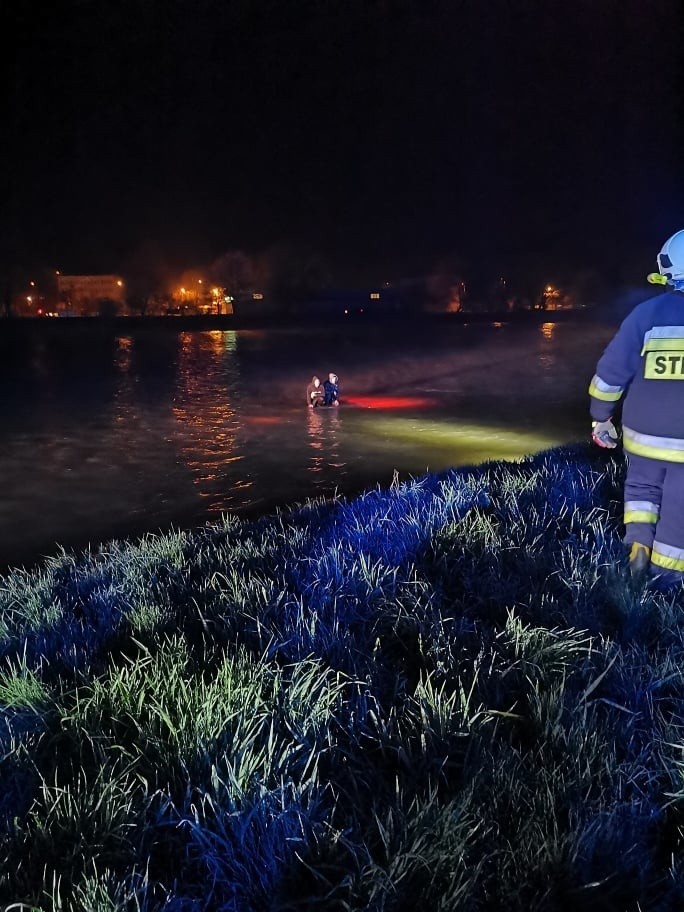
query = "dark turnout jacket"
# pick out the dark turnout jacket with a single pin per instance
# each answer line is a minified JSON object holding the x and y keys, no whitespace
{"x":314,"y":394}
{"x":644,"y":362}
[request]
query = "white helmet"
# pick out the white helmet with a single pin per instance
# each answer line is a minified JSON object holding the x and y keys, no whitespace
{"x":671,"y":258}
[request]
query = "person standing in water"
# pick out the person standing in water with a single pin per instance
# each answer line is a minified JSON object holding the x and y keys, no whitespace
{"x":314,"y":393}
{"x":332,"y":390}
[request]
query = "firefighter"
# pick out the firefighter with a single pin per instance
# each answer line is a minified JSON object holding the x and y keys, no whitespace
{"x":644,"y":362}
{"x":332,"y":390}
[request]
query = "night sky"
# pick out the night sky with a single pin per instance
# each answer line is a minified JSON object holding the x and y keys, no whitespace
{"x":387,"y":134}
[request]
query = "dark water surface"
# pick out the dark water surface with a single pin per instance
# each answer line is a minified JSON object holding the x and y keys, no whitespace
{"x":108,"y":433}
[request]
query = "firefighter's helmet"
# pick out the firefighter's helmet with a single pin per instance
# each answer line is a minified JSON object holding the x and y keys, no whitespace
{"x":671,"y":258}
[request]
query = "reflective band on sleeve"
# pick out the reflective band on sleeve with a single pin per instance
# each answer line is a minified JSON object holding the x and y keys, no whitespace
{"x":667,"y":557}
{"x":641,"y":511}
{"x":670,"y":449}
{"x":644,"y":505}
{"x":640,"y":516}
{"x":599,"y":389}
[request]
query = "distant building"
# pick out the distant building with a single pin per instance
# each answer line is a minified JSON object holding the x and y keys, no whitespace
{"x":90,"y":295}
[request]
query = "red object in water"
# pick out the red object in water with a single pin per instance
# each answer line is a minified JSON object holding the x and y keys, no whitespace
{"x":390,"y":402}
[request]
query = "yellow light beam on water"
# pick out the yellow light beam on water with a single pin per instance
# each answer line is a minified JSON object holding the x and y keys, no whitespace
{"x":451,"y":443}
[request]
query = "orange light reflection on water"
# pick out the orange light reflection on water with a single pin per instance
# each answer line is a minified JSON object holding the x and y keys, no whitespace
{"x":262,"y":419}
{"x":207,"y":426}
{"x":324,"y":442}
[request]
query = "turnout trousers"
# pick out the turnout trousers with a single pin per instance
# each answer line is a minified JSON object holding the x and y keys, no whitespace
{"x":654,"y":513}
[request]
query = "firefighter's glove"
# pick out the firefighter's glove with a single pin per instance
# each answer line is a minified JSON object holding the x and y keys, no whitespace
{"x":604,"y":434}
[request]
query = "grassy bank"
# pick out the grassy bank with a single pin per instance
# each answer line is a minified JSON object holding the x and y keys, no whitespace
{"x":444,"y":696}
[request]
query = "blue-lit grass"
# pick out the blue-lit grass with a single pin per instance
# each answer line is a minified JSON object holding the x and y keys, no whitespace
{"x":445,"y":695}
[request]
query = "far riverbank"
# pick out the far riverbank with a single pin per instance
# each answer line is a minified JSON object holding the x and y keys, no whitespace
{"x":207,"y":322}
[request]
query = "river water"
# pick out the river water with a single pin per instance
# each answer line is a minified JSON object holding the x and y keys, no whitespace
{"x":110,"y":433}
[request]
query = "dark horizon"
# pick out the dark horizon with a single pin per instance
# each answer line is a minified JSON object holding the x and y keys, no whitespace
{"x":386,"y":136}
